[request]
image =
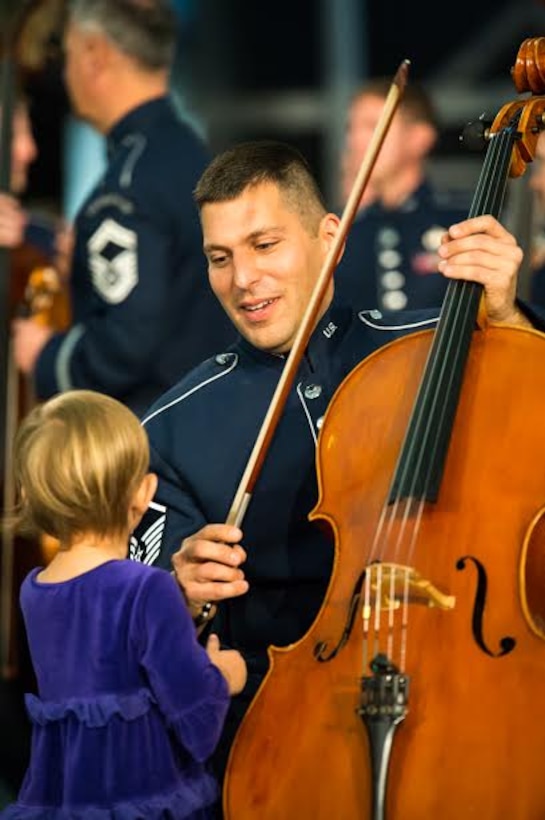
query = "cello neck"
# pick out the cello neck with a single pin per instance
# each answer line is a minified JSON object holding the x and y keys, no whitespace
{"x":420,"y":467}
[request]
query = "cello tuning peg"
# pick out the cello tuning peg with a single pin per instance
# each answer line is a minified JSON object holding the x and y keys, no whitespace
{"x":475,"y":135}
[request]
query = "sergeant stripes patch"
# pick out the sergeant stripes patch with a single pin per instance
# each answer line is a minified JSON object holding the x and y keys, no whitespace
{"x":147,"y":547}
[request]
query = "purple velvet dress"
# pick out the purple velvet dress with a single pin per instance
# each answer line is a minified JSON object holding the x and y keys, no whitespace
{"x":129,"y":705}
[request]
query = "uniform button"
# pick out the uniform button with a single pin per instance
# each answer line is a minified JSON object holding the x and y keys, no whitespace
{"x":223,"y":358}
{"x":431,"y":239}
{"x":388,"y":237}
{"x":394,"y":300}
{"x":389,"y":259}
{"x":312,"y":391}
{"x":319,"y":423}
{"x":392,"y":280}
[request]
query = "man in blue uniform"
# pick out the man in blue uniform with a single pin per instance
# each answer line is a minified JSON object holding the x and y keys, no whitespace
{"x":266,"y":236}
{"x":142,"y":311}
{"x":391,"y":259}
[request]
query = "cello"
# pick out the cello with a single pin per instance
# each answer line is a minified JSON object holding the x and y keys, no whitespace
{"x":416,"y":693}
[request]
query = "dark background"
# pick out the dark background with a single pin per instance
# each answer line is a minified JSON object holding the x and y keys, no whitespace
{"x":234,"y":52}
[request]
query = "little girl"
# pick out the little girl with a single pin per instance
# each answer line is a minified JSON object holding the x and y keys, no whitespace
{"x":129,"y":704}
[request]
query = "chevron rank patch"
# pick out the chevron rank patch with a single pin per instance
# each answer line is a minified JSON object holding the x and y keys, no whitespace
{"x":145,"y":546}
{"x":113,"y":261}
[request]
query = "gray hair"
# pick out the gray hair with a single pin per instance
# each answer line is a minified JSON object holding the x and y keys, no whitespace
{"x":144,"y":29}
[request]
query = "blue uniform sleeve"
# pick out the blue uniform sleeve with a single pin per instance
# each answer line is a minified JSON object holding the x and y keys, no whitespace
{"x":190,"y":691}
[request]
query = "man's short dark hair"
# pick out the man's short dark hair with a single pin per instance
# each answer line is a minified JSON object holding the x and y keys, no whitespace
{"x":249,"y":164}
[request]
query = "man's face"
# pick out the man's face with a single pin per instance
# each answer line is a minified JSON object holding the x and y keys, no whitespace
{"x":263,"y":263}
{"x":23,"y":149}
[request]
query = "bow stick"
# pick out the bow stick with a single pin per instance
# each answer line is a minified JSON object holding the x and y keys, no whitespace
{"x":255,"y":462}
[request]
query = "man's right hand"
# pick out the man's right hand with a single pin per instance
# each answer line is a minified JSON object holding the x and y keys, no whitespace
{"x":207,"y":566}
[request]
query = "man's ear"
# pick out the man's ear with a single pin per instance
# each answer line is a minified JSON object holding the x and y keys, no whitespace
{"x":329,"y":228}
{"x":141,"y":499}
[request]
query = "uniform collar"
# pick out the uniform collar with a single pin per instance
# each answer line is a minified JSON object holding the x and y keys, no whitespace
{"x":328,"y":334}
{"x":138,"y":119}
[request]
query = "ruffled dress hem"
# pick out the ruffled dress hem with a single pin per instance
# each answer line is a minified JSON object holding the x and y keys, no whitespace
{"x":178,"y":805}
{"x":92,"y":712}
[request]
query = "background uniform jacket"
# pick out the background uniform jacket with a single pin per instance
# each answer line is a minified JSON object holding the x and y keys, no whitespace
{"x":143,"y":311}
{"x":390,"y":259}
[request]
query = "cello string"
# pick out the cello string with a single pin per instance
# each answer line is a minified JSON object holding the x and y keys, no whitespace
{"x":458,"y":312}
{"x":447,"y":344}
{"x":455,"y":311}
{"x":455,"y":315}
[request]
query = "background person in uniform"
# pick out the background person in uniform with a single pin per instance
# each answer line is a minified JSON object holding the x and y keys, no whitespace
{"x":123,"y":684}
{"x":537,"y":242}
{"x":266,"y":235}
{"x":17,"y":226}
{"x":390,"y":260}
{"x":142,"y":310}
{"x":13,"y":220}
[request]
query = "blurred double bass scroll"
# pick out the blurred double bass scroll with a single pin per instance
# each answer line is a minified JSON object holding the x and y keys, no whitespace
{"x":417,"y":692}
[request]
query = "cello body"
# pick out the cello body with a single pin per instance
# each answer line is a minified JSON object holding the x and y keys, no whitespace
{"x":472,"y":742}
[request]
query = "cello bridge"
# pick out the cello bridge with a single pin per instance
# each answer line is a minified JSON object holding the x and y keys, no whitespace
{"x":388,"y":585}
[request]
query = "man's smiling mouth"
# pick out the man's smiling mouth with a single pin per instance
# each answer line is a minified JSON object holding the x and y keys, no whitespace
{"x":259,"y":305}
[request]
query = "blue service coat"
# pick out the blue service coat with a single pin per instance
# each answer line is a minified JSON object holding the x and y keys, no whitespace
{"x":143,"y":312}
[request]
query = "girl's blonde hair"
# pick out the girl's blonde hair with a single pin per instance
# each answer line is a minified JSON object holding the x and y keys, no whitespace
{"x":78,"y":460}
